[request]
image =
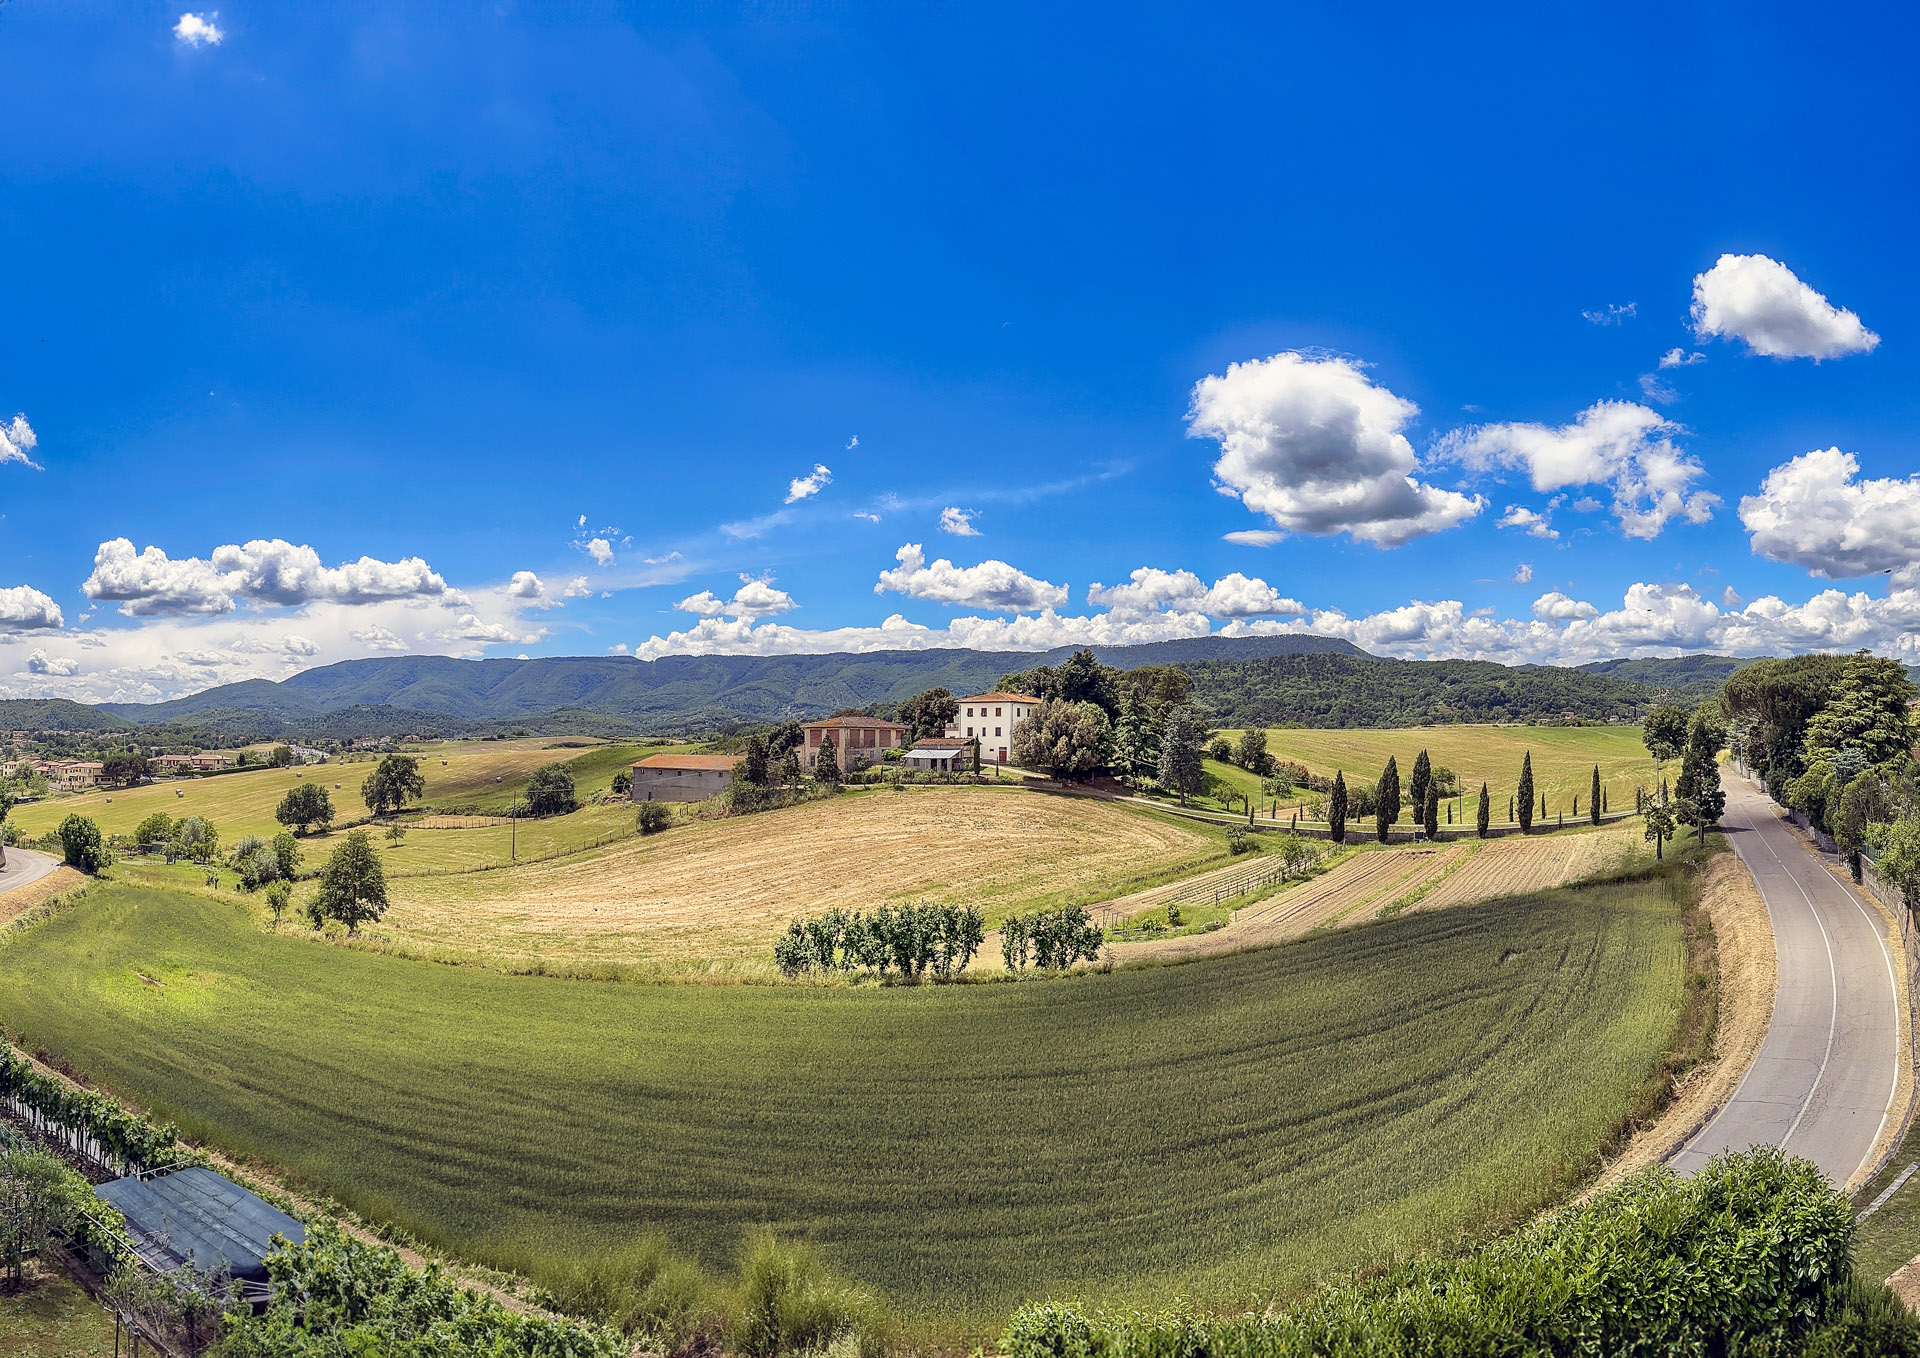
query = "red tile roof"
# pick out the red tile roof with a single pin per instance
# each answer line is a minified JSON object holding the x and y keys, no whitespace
{"x":704,"y":763}
{"x":998,"y":697}
{"x":856,"y":723}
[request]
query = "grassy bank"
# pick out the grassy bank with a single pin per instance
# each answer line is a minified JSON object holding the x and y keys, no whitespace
{"x":1227,"y":1130}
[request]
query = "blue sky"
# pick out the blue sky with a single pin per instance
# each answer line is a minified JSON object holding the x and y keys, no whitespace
{"x":338,"y":331}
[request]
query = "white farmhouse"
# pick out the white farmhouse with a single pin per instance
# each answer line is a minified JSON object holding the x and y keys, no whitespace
{"x":990,"y":718}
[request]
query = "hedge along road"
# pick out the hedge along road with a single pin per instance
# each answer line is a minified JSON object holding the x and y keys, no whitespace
{"x":1824,"y":1082}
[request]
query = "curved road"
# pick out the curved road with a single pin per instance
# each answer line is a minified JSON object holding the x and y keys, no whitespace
{"x":23,"y":866}
{"x":1822,"y":1086}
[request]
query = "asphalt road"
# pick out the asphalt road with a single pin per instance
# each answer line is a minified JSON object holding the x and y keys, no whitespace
{"x":1822,"y":1086}
{"x":23,"y":866}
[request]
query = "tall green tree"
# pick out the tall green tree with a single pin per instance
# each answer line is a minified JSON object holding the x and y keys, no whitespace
{"x":395,"y":781}
{"x":1484,"y":819}
{"x":826,"y":762}
{"x":1432,"y":812}
{"x":1864,"y":802}
{"x":1594,"y":797}
{"x":550,"y":791}
{"x":1665,"y":732}
{"x":1771,"y":702}
{"x":353,"y":886}
{"x":754,"y":766}
{"x":1251,"y":752}
{"x":1337,"y":809}
{"x":1181,"y":770}
{"x":81,"y":845}
{"x":1386,"y":799}
{"x":305,"y":807}
{"x":1660,"y":825}
{"x":1064,"y":738}
{"x":1417,"y":785}
{"x":1525,"y":794}
{"x":1136,"y":742}
{"x":1867,"y":712}
{"x":1701,"y":803}
{"x":929,"y":713}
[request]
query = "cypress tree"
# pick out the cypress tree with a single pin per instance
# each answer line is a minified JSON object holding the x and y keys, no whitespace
{"x":1525,"y":795}
{"x":1337,"y":810}
{"x":1594,"y":801}
{"x":1432,"y":816}
{"x":1422,"y":778}
{"x":1486,"y":811}
{"x":1386,"y":799}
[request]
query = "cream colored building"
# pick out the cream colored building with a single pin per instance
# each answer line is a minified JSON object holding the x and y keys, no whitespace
{"x":990,"y":718}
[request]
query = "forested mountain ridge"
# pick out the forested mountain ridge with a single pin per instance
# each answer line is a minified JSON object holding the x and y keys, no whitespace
{"x":1337,"y":691}
{"x":1309,"y":681}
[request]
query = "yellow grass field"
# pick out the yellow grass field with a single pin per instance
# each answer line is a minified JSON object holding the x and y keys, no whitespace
{"x":242,"y":803}
{"x":1563,"y":759}
{"x":724,"y":889}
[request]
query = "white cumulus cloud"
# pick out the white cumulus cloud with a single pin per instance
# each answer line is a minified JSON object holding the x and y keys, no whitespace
{"x":958,"y":522}
{"x":601,"y":551}
{"x":24,"y":609}
{"x":1761,"y":302}
{"x":64,"y":666}
{"x":199,"y":30}
{"x":1149,"y":591}
{"x":1618,"y":444}
{"x":1813,"y":512}
{"x":1537,"y":525}
{"x":378,"y":638}
{"x":1523,"y":573}
{"x":1312,"y":443}
{"x":17,"y":440}
{"x":754,"y":599}
{"x":992,"y":585}
{"x":1554,"y":605}
{"x":801,"y":487}
{"x":148,"y":583}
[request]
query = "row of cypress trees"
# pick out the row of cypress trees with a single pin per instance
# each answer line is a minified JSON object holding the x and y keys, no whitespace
{"x":1424,"y":797}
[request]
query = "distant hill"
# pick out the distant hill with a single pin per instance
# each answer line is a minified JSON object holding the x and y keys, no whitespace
{"x":1681,"y":671}
{"x":674,"y":693}
{"x":1338,"y":690}
{"x":1315,"y":681}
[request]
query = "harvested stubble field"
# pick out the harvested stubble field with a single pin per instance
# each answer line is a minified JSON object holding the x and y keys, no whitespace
{"x":242,"y":803}
{"x":1376,"y":881}
{"x":1228,"y":1130}
{"x":724,"y":889}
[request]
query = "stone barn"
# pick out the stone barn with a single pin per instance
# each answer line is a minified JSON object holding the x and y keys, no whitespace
{"x":682,"y":777}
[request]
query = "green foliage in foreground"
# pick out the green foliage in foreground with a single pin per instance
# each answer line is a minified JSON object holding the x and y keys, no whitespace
{"x":338,"y":1297}
{"x":914,"y":939}
{"x":1264,"y":1118}
{"x":1750,"y":1256}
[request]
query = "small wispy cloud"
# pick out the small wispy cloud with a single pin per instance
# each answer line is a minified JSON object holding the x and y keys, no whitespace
{"x":802,"y":487}
{"x":958,"y":522}
{"x":1680,"y":358}
{"x":1612,"y":315}
{"x":854,"y":442}
{"x":1523,"y":573}
{"x":1654,"y":389}
{"x":863,"y":514}
{"x":1255,"y":537}
{"x":199,"y":30}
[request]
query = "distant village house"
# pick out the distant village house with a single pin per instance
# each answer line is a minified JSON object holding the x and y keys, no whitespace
{"x":857,"y":741}
{"x":682,"y":777}
{"x":990,"y":719}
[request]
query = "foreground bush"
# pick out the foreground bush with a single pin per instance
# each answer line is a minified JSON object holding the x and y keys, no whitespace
{"x":1751,"y":1256}
{"x":789,"y":1302}
{"x":335,"y":1295}
{"x":908,"y":938}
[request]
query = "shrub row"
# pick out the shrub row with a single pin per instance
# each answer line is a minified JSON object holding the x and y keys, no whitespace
{"x":1750,"y":1256}
{"x":911,"y":939}
{"x":1051,"y":939}
{"x":89,"y":1123}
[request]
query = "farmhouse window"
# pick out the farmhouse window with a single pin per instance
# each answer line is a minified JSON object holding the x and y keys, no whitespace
{"x":996,"y":730}
{"x":996,"y":711}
